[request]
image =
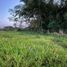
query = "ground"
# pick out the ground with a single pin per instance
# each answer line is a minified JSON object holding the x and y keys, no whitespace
{"x":30,"y":49}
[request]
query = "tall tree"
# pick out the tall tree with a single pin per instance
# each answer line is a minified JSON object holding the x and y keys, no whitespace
{"x":48,"y":14}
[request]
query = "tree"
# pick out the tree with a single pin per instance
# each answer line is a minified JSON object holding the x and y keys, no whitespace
{"x":48,"y":14}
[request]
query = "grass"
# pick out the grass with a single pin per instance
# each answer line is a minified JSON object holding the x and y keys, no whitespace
{"x":30,"y":49}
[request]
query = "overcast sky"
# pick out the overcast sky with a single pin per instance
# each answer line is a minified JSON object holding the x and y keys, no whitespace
{"x":5,"y":5}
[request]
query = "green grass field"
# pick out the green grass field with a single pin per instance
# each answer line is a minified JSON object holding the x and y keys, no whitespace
{"x":29,"y":49}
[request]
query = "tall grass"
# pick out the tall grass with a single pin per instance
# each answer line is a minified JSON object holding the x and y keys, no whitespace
{"x":30,"y":49}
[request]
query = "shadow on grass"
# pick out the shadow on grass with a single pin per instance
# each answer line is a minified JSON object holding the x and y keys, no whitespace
{"x":60,"y":41}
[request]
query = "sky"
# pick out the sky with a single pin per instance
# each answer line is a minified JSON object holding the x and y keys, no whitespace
{"x":5,"y":5}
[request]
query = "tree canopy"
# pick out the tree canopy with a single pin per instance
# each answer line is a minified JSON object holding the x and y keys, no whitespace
{"x":51,"y":15}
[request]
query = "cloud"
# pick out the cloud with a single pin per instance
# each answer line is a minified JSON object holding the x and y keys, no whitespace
{"x":4,"y":23}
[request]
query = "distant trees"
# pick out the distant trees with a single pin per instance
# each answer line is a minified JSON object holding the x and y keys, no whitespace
{"x":8,"y":28}
{"x":49,"y":15}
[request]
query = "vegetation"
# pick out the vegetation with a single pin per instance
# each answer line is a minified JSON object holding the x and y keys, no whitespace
{"x":27,"y":48}
{"x":31,"y":49}
{"x":8,"y":28}
{"x":50,"y":15}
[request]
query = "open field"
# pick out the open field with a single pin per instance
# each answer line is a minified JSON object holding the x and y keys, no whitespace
{"x":29,"y":49}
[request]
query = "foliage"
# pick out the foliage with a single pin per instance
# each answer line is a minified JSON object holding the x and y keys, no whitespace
{"x":8,"y":28}
{"x":45,"y":11}
{"x":30,"y":49}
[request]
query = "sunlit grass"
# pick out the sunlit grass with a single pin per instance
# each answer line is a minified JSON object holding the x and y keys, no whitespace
{"x":30,"y":49}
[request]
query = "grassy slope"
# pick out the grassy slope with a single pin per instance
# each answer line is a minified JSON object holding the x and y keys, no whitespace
{"x":29,"y":49}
